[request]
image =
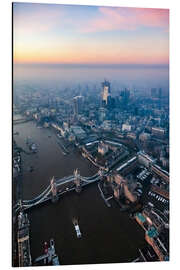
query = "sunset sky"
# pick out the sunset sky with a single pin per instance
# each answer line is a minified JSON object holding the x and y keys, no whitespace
{"x":65,"y":34}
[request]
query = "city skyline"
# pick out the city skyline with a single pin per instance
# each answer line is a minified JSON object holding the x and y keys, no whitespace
{"x":90,"y":148}
{"x":67,"y":34}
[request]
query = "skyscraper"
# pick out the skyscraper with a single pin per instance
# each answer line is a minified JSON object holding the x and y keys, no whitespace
{"x":160,"y":93}
{"x":156,"y":93}
{"x":78,"y":105}
{"x":125,"y":95}
{"x":102,"y":114}
{"x":153,"y":92}
{"x":106,"y":93}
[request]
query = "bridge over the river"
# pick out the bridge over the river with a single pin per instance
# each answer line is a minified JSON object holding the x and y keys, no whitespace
{"x":58,"y":187}
{"x":20,"y":121}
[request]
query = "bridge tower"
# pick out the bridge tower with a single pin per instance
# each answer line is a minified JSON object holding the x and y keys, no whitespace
{"x":77,"y":181}
{"x":116,"y":193}
{"x":20,"y":203}
{"x":100,"y":172}
{"x":102,"y":178}
{"x":54,"y":190}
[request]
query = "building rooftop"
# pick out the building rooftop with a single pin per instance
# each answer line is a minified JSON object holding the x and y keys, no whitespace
{"x":152,"y":232}
{"x":141,"y":217}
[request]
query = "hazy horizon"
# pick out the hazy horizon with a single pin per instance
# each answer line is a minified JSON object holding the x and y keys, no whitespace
{"x":55,"y":44}
{"x":70,"y":76}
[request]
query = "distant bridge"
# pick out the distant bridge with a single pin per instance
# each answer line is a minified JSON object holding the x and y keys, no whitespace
{"x":20,"y":121}
{"x":53,"y":191}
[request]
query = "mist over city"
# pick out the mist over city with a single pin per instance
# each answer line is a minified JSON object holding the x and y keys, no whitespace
{"x":90,"y":135}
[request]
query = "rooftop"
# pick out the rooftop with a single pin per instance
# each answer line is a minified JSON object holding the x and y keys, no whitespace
{"x":152,"y":232}
{"x":141,"y":217}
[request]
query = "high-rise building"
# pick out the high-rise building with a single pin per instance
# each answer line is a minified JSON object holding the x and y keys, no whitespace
{"x":153,"y":92}
{"x":160,"y":93}
{"x":156,"y":93}
{"x":125,"y":95}
{"x":78,"y":105}
{"x":102,"y":114}
{"x":106,"y":93}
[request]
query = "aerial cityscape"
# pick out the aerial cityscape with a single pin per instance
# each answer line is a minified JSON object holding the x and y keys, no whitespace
{"x":90,"y":180}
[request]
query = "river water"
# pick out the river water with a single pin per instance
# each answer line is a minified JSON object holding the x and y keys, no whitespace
{"x":108,"y":235}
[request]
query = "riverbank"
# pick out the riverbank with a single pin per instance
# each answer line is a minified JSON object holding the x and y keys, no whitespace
{"x":107,"y":234}
{"x":49,"y":161}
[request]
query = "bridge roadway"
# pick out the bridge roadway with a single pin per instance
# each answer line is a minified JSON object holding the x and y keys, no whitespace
{"x":21,"y":121}
{"x":47,"y":193}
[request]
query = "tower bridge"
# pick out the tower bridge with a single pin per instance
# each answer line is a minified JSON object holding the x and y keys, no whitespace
{"x":20,"y":121}
{"x":56,"y":188}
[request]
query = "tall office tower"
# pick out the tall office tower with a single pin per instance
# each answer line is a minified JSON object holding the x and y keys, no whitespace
{"x":106,"y":93}
{"x":78,"y":105}
{"x":153,"y":92}
{"x":160,"y":98}
{"x":156,"y":93}
{"x":102,"y":114}
{"x":125,"y":94}
{"x":160,"y":93}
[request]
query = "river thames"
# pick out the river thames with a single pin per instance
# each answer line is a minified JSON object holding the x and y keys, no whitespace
{"x":108,"y":235}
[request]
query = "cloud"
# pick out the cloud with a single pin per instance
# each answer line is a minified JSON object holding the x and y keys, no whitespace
{"x":36,"y":18}
{"x":127,"y":19}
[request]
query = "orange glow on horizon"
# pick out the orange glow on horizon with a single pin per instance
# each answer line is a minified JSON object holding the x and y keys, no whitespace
{"x":102,"y":35}
{"x":71,"y":58}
